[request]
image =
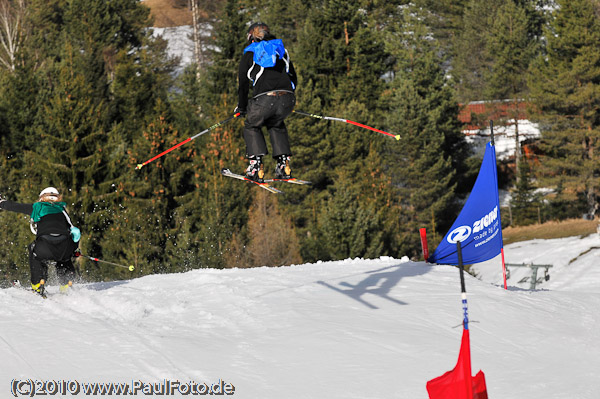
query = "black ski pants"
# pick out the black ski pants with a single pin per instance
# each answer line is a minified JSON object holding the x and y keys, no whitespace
{"x":52,"y":248}
{"x":269,"y":111}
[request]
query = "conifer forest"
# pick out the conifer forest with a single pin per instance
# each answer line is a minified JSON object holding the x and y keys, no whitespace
{"x":87,"y":93}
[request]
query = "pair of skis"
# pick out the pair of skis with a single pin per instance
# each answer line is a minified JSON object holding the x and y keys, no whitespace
{"x":266,"y":184}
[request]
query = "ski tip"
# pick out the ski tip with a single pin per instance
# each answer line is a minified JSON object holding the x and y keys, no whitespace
{"x":139,"y":166}
{"x":270,"y":188}
{"x":397,"y":137}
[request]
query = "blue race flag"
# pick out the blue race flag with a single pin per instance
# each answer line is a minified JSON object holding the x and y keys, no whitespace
{"x":477,"y":226}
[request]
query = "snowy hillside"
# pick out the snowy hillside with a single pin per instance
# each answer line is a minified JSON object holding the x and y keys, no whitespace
{"x":574,"y":260}
{"x":179,"y":42}
{"x":350,"y":329}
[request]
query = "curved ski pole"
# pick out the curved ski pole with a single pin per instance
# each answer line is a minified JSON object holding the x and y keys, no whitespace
{"x":216,"y":125}
{"x":78,"y":254}
{"x":330,"y":118}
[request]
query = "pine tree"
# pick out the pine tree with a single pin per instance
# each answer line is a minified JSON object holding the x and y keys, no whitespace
{"x":445,"y":19}
{"x":512,"y":47}
{"x":71,"y":135}
{"x":564,"y":85}
{"x":470,"y":60}
{"x":15,"y":236}
{"x":230,"y":36}
{"x":525,"y":203}
{"x":349,"y":227}
{"x":217,"y":208}
{"x":272,"y":240}
{"x":284,"y":17}
{"x":339,"y":58}
{"x":24,"y":93}
{"x":145,"y":202}
{"x":494,"y":47}
{"x":429,"y":162}
{"x":74,"y":126}
{"x":138,"y":75}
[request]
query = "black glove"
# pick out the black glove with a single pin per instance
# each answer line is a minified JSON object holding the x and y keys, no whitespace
{"x":242,"y":111}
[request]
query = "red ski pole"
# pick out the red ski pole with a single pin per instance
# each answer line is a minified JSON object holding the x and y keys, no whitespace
{"x":216,"y":125}
{"x":330,"y":118}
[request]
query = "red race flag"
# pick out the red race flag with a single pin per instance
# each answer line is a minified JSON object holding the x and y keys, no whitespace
{"x":458,"y":383}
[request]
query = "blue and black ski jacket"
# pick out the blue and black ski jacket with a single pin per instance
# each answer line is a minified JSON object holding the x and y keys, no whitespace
{"x":267,"y":66}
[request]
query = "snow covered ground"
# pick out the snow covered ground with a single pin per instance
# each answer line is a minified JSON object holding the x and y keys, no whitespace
{"x":575,"y":264}
{"x":504,"y":138}
{"x":349,"y":329}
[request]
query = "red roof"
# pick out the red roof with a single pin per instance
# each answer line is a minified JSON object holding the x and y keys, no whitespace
{"x":476,"y":114}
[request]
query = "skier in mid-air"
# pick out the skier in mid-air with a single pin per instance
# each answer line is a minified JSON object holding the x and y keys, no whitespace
{"x":56,"y":238}
{"x":267,"y":65}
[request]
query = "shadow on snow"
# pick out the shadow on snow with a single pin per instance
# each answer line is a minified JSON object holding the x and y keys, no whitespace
{"x":379,"y":282}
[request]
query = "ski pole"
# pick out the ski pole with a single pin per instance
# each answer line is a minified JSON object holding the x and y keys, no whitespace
{"x":330,"y":118}
{"x":216,"y":125}
{"x":130,"y":267}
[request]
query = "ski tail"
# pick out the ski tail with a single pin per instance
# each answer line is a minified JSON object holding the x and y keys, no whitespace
{"x":265,"y":185}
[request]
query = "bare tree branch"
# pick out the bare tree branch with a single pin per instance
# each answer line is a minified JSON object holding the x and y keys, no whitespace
{"x":12,"y":33}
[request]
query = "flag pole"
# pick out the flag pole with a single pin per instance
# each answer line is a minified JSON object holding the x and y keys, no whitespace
{"x":463,"y":289}
{"x":503,"y":268}
{"x":424,"y":246}
{"x":458,"y":382}
{"x":501,"y":248}
{"x":467,"y":361}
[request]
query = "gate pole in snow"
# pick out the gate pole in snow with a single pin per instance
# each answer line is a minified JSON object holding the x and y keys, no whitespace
{"x":503,"y":268}
{"x":463,"y":289}
{"x":424,"y":246}
{"x":501,"y":249}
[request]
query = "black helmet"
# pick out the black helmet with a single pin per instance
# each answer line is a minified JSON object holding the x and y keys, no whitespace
{"x":257,"y":31}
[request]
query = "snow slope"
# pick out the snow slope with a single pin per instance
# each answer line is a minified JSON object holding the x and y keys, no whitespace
{"x":574,"y":260}
{"x":349,"y":329}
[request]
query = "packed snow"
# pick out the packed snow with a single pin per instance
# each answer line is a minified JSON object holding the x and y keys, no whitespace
{"x":348,"y":329}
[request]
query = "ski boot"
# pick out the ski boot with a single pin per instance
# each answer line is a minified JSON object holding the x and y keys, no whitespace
{"x":283,"y":169}
{"x":255,"y":170}
{"x":63,"y":289}
{"x":39,"y":288}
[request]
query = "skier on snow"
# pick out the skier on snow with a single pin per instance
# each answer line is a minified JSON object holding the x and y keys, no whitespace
{"x":56,"y":238}
{"x":266,"y":63}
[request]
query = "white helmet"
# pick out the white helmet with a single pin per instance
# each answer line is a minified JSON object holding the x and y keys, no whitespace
{"x":50,"y":192}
